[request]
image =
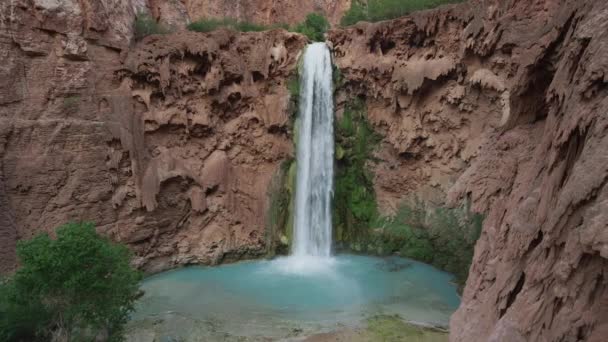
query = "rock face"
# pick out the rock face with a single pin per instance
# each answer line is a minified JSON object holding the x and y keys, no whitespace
{"x":267,"y":11}
{"x":168,"y":145}
{"x":503,"y":104}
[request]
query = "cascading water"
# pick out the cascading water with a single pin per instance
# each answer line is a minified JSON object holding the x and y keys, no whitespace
{"x":315,"y":155}
{"x":309,"y":289}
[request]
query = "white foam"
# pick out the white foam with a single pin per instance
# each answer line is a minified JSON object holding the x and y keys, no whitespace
{"x":304,"y":265}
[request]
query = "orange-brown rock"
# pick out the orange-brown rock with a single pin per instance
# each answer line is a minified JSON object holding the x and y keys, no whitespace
{"x":168,"y":145}
{"x":503,"y":104}
{"x":267,"y":11}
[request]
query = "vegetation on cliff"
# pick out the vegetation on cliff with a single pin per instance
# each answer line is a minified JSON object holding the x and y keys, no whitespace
{"x":440,"y":236}
{"x":443,"y":237}
{"x":74,"y":287}
{"x":314,"y":26}
{"x":354,"y":199}
{"x":279,"y":227}
{"x":387,"y":328}
{"x":377,"y":10}
{"x":145,"y":25}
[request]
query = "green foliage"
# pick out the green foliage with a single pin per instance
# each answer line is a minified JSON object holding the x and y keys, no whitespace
{"x":384,"y":328}
{"x":71,"y":101}
{"x":145,"y":25}
{"x":443,"y":237}
{"x":74,"y":286}
{"x":314,"y":27}
{"x":354,"y":199}
{"x":377,"y":10}
{"x":280,"y":222}
{"x":21,"y":320}
{"x":293,"y":85}
{"x":356,"y":13}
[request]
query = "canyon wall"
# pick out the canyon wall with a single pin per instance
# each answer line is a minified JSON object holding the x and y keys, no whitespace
{"x":266,"y":11}
{"x":503,"y":104}
{"x":168,"y":145}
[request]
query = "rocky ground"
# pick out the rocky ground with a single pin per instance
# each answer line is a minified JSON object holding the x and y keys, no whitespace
{"x":374,"y":329}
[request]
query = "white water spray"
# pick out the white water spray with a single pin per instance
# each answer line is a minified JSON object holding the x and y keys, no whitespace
{"x":315,"y":156}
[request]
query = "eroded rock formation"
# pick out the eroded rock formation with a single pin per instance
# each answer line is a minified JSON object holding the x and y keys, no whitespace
{"x":502,"y":103}
{"x":267,"y":11}
{"x":168,"y":145}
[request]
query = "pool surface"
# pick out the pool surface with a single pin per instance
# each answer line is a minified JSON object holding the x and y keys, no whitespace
{"x":290,"y":296}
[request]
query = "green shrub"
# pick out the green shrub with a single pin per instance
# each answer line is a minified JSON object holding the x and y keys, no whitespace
{"x":443,"y":237}
{"x":314,"y":27}
{"x":145,"y":25}
{"x":377,"y":10}
{"x":74,"y":287}
{"x":356,"y":13}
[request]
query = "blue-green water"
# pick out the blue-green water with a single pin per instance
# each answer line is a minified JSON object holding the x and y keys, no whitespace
{"x":272,"y":298}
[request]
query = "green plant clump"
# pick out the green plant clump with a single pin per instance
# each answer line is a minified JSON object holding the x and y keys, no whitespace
{"x":314,"y":27}
{"x":280,"y":211}
{"x":386,"y":328}
{"x":145,"y":25}
{"x":354,"y":200}
{"x":377,"y":10}
{"x":76,"y":287}
{"x":443,"y":237}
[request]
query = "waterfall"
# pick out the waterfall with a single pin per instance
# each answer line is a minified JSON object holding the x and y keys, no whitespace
{"x":315,"y":155}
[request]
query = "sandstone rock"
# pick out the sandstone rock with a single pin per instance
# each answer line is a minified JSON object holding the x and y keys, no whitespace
{"x":156,"y":144}
{"x":266,"y":11}
{"x":169,"y":145}
{"x":520,"y":114}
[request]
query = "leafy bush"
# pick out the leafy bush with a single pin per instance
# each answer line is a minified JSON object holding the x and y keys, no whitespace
{"x":314,"y":27}
{"x":145,"y":25}
{"x":72,"y":288}
{"x":443,"y":237}
{"x":377,"y":10}
{"x":354,"y":198}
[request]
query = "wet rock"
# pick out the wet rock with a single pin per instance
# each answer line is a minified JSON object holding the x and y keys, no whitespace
{"x":510,"y":114}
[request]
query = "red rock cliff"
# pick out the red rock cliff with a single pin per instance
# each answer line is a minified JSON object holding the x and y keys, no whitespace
{"x":168,"y":145}
{"x":503,"y":103}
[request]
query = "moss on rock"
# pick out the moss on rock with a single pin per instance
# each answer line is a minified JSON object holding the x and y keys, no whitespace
{"x":354,"y":205}
{"x":393,"y":329}
{"x":280,"y":208}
